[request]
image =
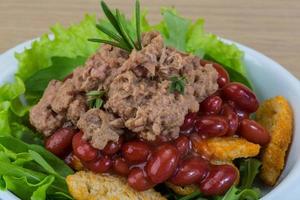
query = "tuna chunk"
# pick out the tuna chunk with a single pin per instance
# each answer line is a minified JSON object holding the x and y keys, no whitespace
{"x":41,"y":116}
{"x":100,"y":127}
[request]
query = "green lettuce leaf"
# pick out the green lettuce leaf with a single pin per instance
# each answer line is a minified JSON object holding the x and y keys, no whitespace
{"x":10,"y":91}
{"x":60,"y":68}
{"x":71,"y":43}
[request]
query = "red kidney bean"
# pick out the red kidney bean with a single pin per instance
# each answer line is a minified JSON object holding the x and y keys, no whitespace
{"x":60,"y":142}
{"x":136,"y":151}
{"x":113,"y":147}
{"x":163,"y":162}
{"x":190,"y":171}
{"x":82,"y":149}
{"x":211,"y":126}
{"x":121,"y":167}
{"x":138,"y":180}
{"x":223,"y":76}
{"x":254,"y":132}
{"x":219,"y":180}
{"x":211,"y":105}
{"x":183,"y":145}
{"x":100,"y":165}
{"x":240,"y":113}
{"x":232,"y":119}
{"x":189,"y":123}
{"x":242,"y":96}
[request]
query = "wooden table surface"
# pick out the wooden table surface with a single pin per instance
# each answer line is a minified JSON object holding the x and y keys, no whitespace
{"x":269,"y":26}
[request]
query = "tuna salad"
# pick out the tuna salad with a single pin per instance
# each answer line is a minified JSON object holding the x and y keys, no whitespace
{"x":137,"y":93}
{"x":121,"y":109}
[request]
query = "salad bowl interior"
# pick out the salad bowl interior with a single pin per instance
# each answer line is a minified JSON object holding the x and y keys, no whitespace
{"x":269,"y":79}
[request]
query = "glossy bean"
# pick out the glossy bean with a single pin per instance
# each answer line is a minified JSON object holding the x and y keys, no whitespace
{"x":242,"y":96}
{"x":163,"y":162}
{"x":211,"y":105}
{"x":60,"y":142}
{"x":190,"y":171}
{"x":100,"y":165}
{"x":211,"y":126}
{"x":183,"y":145}
{"x":121,"y":167}
{"x":138,"y":179}
{"x":135,"y":151}
{"x":254,"y":132}
{"x":232,"y":119}
{"x":189,"y":122}
{"x":219,"y":180}
{"x":82,"y":149}
{"x":113,"y":147}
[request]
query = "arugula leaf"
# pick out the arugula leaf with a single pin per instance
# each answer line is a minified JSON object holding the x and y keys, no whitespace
{"x":18,"y":146}
{"x":241,"y":194}
{"x":249,"y":168}
{"x":60,"y":68}
{"x":30,"y":171}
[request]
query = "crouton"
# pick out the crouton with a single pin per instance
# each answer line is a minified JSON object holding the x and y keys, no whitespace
{"x":276,"y":116}
{"x":226,"y":148}
{"x":89,"y":186}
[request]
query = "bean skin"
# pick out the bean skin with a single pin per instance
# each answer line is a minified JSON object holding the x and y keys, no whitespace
{"x":60,"y":142}
{"x":219,"y":180}
{"x":136,"y":151}
{"x":138,"y":179}
{"x":211,"y":126}
{"x":82,"y":149}
{"x":190,"y":171}
{"x":254,"y":132}
{"x":163,"y":162}
{"x":242,"y":96}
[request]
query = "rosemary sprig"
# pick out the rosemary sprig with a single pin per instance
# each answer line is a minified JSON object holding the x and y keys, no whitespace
{"x":94,"y":99}
{"x":177,"y":84}
{"x":120,"y":37}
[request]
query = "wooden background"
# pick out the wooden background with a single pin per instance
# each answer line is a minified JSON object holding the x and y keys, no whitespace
{"x":269,"y":26}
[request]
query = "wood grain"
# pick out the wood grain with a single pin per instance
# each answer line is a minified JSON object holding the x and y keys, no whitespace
{"x":269,"y":26}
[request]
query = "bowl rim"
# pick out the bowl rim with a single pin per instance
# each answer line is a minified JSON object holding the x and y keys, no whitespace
{"x":279,"y":190}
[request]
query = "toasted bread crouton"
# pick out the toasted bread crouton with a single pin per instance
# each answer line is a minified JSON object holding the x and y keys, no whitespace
{"x":182,"y":190}
{"x":226,"y":148}
{"x":277,"y":117}
{"x":89,"y":186}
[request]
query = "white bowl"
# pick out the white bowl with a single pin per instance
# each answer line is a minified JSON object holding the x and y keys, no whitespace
{"x":269,"y":79}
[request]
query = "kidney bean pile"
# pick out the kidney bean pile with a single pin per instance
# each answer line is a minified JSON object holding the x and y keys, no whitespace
{"x":146,"y":164}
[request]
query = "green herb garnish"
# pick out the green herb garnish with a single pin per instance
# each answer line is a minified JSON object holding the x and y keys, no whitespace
{"x":249,"y":168}
{"x":120,"y":37}
{"x":94,"y":98}
{"x":177,"y":84}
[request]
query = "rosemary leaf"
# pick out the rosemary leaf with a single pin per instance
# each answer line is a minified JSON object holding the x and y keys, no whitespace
{"x":109,"y":33}
{"x":121,"y":46}
{"x":138,"y":24}
{"x":110,"y":16}
{"x":124,"y":33}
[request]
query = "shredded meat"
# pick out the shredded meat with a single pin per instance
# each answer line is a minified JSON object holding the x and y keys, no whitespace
{"x":100,"y":127}
{"x":41,"y":116}
{"x":137,"y":93}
